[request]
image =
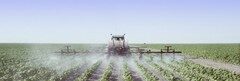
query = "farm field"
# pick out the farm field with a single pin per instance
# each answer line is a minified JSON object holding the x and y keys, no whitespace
{"x":38,"y":62}
{"x":229,"y":53}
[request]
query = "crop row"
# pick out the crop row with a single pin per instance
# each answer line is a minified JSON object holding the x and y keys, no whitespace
{"x":107,"y":72}
{"x":28,"y":74}
{"x":68,"y":72}
{"x":208,"y":72}
{"x":127,"y":76}
{"x":148,"y":76}
{"x":167,"y":74}
{"x":189,"y":74}
{"x":89,"y":72}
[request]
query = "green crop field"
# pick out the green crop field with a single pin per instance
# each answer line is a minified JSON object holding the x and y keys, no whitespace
{"x":222,"y":52}
{"x":38,"y":62}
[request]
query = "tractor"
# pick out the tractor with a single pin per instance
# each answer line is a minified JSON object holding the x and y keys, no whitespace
{"x":118,"y":46}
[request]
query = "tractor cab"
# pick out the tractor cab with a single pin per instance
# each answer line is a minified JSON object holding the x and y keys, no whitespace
{"x":118,"y":37}
{"x":118,"y":45}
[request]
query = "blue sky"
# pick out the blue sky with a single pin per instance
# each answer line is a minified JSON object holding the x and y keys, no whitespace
{"x":92,"y":21}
